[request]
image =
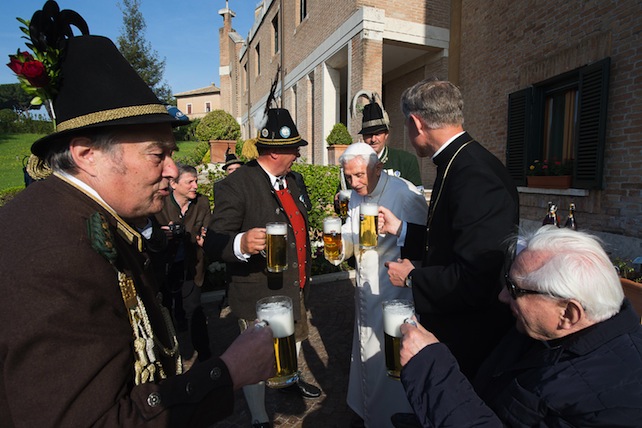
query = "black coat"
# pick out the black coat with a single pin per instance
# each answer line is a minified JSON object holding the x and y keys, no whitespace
{"x":245,"y":200}
{"x":589,"y":379}
{"x":473,"y":214}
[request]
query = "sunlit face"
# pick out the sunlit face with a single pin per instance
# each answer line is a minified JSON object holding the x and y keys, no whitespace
{"x":133,"y":178}
{"x":186,"y":185}
{"x":536,"y":315}
{"x":418,"y":140}
{"x":377,"y":141}
{"x":285,"y":158}
{"x":361,"y":179}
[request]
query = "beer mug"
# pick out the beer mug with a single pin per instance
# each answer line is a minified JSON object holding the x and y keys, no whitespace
{"x":395,"y":312}
{"x":344,"y":200}
{"x":276,"y":247}
{"x":277,"y":312}
{"x":368,"y":232}
{"x":332,"y":247}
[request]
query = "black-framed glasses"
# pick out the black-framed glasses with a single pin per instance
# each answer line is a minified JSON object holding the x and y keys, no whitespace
{"x":516,"y":291}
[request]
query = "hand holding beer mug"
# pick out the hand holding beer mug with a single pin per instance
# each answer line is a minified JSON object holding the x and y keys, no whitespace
{"x":368,"y":233}
{"x":332,"y":247}
{"x":277,"y":312}
{"x":395,"y":312}
{"x":276,"y":247}
{"x":344,"y":200}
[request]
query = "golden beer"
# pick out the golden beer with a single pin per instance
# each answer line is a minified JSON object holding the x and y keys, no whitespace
{"x":277,"y":312}
{"x":276,"y":247}
{"x":332,"y":247}
{"x":395,"y":312}
{"x":368,"y":232}
{"x":344,"y":200}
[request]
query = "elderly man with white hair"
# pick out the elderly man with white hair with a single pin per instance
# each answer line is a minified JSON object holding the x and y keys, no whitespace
{"x":371,"y":393}
{"x":574,"y":357}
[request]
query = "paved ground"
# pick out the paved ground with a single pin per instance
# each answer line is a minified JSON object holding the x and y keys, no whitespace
{"x":324,"y":360}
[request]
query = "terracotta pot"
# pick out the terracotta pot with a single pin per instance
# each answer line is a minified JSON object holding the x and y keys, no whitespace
{"x":334,"y":153}
{"x":218,"y":148}
{"x":633,"y":291}
{"x":549,"y":182}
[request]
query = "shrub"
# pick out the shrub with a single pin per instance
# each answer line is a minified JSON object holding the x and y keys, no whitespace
{"x":339,"y":135}
{"x":218,"y":125}
{"x":186,"y":132}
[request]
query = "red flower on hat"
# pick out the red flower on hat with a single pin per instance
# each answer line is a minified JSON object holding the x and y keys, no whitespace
{"x":17,"y":61}
{"x":35,"y":73}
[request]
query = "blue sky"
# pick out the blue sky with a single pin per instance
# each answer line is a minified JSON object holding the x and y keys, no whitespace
{"x":184,"y":33}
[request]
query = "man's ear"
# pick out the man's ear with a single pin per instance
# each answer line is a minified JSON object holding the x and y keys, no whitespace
{"x":418,"y":123}
{"x":572,"y":314}
{"x":83,"y":154}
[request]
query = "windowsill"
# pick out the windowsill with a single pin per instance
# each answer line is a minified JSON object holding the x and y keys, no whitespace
{"x":561,"y":192}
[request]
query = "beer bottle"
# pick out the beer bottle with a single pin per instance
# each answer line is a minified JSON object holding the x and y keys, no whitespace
{"x":551,"y":217}
{"x":570,"y":220}
{"x":546,"y":216}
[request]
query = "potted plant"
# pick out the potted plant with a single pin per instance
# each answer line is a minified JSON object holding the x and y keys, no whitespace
{"x":550,"y":174}
{"x":221,"y":130}
{"x":338,"y":140}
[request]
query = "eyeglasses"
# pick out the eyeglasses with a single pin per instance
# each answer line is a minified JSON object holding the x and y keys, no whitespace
{"x":516,"y":291}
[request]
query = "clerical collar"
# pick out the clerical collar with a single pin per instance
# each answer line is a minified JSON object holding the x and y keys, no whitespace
{"x":443,"y":147}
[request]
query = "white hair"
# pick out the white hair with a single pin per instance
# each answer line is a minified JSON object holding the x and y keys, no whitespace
{"x":575,"y":267}
{"x":361,"y":150}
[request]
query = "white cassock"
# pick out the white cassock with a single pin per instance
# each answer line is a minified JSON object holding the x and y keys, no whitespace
{"x":371,"y":393}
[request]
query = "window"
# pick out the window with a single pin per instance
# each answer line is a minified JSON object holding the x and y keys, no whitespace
{"x":189,"y":109}
{"x":244,"y":77}
{"x":258,"y":59}
{"x":275,"y":31}
{"x":563,"y":118}
{"x":208,"y":107}
{"x":303,"y":9}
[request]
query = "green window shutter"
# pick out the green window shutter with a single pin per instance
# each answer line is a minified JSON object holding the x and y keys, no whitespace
{"x":591,"y":134}
{"x":519,"y":122}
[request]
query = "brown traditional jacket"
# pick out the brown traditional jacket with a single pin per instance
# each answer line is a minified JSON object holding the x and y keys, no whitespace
{"x":66,"y":343}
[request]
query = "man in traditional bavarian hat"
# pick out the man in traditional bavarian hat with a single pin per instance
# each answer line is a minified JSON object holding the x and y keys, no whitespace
{"x":375,"y":132}
{"x":232,"y":163}
{"x":84,"y":340}
{"x":264,"y":191}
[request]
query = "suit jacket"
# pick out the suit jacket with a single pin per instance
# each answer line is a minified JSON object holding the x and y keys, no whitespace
{"x":245,"y":200}
{"x":66,"y":344}
{"x":473,"y":214}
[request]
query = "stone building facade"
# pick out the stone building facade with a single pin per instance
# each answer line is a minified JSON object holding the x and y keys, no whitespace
{"x":198,"y":102}
{"x":510,"y":59}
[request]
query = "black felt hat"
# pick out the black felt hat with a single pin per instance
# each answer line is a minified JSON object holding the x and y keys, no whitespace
{"x":97,"y":87}
{"x":278,"y":130}
{"x":231,"y":159}
{"x":374,"y":120}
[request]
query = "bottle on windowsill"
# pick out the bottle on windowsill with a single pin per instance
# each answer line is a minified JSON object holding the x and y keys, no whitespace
{"x":570,"y":220}
{"x":551,"y":216}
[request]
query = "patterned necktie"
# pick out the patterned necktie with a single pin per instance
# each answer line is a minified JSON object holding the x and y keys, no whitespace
{"x":279,"y":183}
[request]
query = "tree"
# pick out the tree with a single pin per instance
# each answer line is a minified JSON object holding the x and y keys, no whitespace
{"x":12,"y":96}
{"x":139,"y":52}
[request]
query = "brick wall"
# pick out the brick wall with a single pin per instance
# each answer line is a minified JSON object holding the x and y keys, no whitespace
{"x":508,"y":45}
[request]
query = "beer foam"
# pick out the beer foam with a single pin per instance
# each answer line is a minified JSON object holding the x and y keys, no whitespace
{"x":332,"y":225}
{"x":279,"y":317}
{"x":369,"y":209}
{"x":276,"y":229}
{"x":394,"y":314}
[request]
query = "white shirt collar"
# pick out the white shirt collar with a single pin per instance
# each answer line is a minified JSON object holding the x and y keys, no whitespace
{"x":450,"y":140}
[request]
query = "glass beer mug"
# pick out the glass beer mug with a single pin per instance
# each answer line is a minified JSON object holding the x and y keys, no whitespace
{"x":344,"y":200}
{"x":368,"y":232}
{"x":276,"y":247}
{"x":332,"y":247}
{"x":277,"y":312}
{"x":395,"y":313}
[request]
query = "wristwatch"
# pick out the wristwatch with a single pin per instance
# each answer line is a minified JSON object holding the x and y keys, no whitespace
{"x":408,"y":281}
